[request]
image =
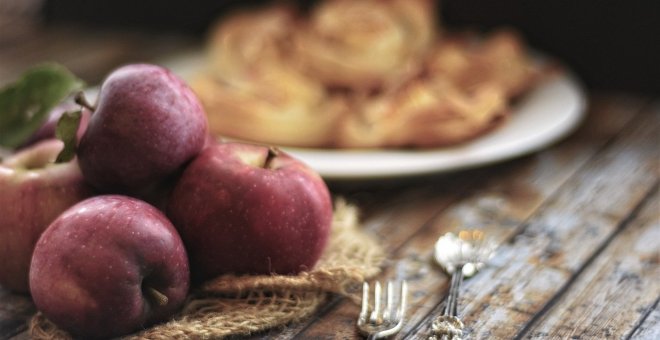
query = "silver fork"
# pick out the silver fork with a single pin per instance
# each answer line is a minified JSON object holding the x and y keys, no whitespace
{"x":377,"y":321}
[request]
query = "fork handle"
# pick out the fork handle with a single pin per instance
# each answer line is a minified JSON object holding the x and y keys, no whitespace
{"x":451,"y":309}
{"x":449,"y":326}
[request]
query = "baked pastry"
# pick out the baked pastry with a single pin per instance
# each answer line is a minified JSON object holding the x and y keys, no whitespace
{"x":365,"y":44}
{"x":499,"y":59}
{"x":358,"y":74}
{"x":424,"y":113}
{"x":253,"y":90}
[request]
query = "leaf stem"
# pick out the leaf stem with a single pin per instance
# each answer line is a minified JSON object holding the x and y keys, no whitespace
{"x":81,"y":100}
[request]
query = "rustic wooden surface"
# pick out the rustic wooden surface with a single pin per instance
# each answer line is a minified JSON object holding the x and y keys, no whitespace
{"x":577,"y":225}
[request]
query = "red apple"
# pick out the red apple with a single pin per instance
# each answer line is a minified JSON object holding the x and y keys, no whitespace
{"x":148,"y":123}
{"x":249,"y":209}
{"x":109,"y":266}
{"x":33,"y":192}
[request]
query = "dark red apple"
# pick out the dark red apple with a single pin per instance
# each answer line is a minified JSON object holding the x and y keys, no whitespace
{"x":33,"y":192}
{"x":109,"y":266}
{"x":248,"y":209}
{"x":147,"y":124}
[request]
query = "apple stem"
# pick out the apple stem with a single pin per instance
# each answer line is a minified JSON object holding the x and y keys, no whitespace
{"x":272,"y":153}
{"x":81,"y":100}
{"x":157,"y":296}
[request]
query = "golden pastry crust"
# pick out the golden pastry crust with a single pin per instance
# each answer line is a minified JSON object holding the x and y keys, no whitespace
{"x":499,"y":59}
{"x":359,"y":74}
{"x":244,"y":115}
{"x":365,"y":44}
{"x":253,"y":90}
{"x":424,"y":113}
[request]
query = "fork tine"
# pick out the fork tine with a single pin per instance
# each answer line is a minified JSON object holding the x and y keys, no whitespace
{"x":364,"y":312}
{"x":376,"y":313}
{"x":400,"y":315}
{"x":403,"y":300}
{"x":377,"y":322}
{"x":389,"y":293}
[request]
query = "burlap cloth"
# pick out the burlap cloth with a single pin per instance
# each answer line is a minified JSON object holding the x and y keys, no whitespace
{"x":241,"y":305}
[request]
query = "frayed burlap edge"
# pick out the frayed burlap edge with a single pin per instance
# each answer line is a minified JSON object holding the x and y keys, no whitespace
{"x":241,"y":305}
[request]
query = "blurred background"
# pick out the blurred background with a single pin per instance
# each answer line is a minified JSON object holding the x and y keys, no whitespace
{"x":611,"y":45}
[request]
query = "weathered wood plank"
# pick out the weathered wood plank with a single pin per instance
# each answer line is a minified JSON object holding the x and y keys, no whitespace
{"x":503,"y":203}
{"x":561,"y":238}
{"x":21,"y":336}
{"x":90,"y":55}
{"x":16,"y":29}
{"x":615,"y":291}
{"x":649,"y":329}
{"x":14,"y":311}
{"x":46,"y":45}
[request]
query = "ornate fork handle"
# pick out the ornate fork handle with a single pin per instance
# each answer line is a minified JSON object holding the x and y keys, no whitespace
{"x":448,"y":325}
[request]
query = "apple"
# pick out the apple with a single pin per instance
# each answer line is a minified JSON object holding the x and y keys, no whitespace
{"x":108,"y":266}
{"x":148,"y":123}
{"x":33,"y":192}
{"x":248,"y":209}
{"x":47,"y":130}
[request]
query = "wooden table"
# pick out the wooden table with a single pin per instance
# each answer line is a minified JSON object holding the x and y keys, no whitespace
{"x":578,"y":224}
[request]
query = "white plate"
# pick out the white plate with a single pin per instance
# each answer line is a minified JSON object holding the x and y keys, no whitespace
{"x":543,"y":116}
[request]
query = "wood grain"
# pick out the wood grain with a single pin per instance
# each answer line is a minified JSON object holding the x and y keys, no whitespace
{"x":649,"y":328}
{"x":616,"y":291}
{"x":91,"y":55}
{"x":14,"y":311}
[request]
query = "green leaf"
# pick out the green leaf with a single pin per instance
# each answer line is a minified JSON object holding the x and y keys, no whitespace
{"x":26,"y":103}
{"x":67,"y":131}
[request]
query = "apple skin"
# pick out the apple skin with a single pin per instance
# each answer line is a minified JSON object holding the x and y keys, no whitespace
{"x":94,"y":267}
{"x":47,"y":130}
{"x":33,"y":192}
{"x":148,"y":123}
{"x":245,"y":209}
{"x":159,"y":194}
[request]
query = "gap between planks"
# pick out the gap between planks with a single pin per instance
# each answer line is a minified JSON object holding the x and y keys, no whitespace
{"x":649,"y":325}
